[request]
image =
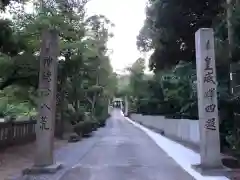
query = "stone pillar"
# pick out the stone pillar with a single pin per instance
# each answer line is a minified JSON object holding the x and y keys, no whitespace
{"x":47,"y":99}
{"x":121,"y":105}
{"x":109,"y":107}
{"x":207,"y":101}
{"x":44,"y":161}
{"x":126,"y":106}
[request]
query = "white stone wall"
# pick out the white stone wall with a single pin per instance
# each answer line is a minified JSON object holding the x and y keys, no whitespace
{"x":184,"y":129}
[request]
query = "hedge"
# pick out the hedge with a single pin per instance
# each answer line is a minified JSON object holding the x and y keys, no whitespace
{"x":84,"y":128}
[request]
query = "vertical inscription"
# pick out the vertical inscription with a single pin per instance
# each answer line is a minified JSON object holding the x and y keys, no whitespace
{"x":209,"y":140}
{"x":47,"y":98}
{"x":208,"y":71}
{"x":46,"y":79}
{"x":210,"y":93}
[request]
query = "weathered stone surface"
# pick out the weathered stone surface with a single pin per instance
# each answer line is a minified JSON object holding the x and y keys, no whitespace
{"x":47,"y":98}
{"x":213,"y":171}
{"x":44,"y":169}
{"x":207,"y":99}
{"x":73,"y":137}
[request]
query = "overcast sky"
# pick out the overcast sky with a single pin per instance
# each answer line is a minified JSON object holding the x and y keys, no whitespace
{"x":128,"y":17}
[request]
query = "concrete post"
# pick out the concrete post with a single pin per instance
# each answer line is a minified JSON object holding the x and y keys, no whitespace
{"x":126,"y":106}
{"x":109,"y":107}
{"x":121,"y":105}
{"x":207,"y":101}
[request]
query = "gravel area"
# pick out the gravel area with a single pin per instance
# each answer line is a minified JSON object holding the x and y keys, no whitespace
{"x":14,"y":159}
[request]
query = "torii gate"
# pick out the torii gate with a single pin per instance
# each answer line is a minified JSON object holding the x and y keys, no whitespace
{"x":119,"y":103}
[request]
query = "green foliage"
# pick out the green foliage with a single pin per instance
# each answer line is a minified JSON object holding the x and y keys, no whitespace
{"x":21,"y":109}
{"x":15,"y":102}
{"x":89,"y":124}
{"x":168,"y":32}
{"x":169,"y":92}
{"x":84,"y":128}
{"x":170,"y":27}
{"x":85,"y":77}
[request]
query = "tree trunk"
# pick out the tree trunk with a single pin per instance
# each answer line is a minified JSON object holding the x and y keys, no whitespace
{"x":229,"y":27}
{"x":93,"y":104}
{"x":237,"y":2}
{"x":230,"y":38}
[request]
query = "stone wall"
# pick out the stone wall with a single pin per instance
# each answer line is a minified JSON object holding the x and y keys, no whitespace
{"x":179,"y":129}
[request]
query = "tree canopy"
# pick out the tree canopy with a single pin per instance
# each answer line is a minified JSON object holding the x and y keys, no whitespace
{"x":169,"y":33}
{"x":85,"y":77}
{"x":170,"y":26}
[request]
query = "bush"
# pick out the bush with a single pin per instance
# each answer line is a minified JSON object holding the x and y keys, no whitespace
{"x":187,"y":116}
{"x":102,"y":119}
{"x":95,"y":124}
{"x":88,"y":123}
{"x":102,"y":122}
{"x":173,"y":116}
{"x":101,"y":115}
{"x":17,"y":109}
{"x":84,"y":128}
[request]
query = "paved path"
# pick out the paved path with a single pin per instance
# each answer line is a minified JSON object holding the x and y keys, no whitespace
{"x":124,"y":152}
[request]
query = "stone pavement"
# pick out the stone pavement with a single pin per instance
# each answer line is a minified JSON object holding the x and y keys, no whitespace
{"x":119,"y":151}
{"x":126,"y":153}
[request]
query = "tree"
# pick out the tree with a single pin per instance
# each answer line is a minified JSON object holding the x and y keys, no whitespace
{"x":84,"y":69}
{"x":170,"y":27}
{"x":169,"y":31}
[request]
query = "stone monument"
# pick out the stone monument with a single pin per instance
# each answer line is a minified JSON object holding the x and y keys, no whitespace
{"x":44,"y":162}
{"x":207,"y":101}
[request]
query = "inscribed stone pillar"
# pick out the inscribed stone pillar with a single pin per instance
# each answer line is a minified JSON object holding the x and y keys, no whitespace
{"x":207,"y":100}
{"x":47,"y":98}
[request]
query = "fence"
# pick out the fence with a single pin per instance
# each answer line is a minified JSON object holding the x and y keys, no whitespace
{"x":181,"y":129}
{"x":15,"y":133}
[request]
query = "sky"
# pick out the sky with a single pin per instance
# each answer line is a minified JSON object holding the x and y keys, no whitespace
{"x":128,"y":17}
